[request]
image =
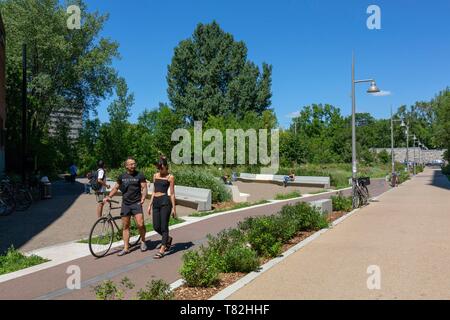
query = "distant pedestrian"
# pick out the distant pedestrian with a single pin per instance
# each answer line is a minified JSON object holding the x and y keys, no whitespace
{"x":73,"y":170}
{"x":99,"y":186}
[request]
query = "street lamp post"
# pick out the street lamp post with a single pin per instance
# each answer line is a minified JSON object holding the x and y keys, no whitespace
{"x":392,"y":144}
{"x":372,"y":89}
{"x":414,"y":163}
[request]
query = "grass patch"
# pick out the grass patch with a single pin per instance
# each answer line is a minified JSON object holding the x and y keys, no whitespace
{"x":319,"y":191}
{"x":234,"y":207}
{"x":14,"y":260}
{"x":290,"y":195}
{"x":134,"y":231}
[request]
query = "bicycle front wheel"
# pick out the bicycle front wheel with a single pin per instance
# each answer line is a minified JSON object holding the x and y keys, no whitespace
{"x":101,"y":237}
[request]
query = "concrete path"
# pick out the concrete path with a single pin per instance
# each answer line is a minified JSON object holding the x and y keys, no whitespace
{"x":139,"y":267}
{"x":406,"y":234}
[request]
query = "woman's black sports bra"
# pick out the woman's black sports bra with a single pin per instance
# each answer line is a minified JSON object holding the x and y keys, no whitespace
{"x":162,"y":185}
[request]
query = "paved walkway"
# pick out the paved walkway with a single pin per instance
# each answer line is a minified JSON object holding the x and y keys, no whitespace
{"x":139,"y":267}
{"x":406,"y":234}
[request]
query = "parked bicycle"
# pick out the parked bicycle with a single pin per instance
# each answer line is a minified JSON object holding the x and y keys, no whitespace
{"x":105,"y":232}
{"x":361,"y":195}
{"x":14,"y":196}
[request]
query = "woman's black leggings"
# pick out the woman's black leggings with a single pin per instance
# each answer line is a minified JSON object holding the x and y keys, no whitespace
{"x":162,"y":208}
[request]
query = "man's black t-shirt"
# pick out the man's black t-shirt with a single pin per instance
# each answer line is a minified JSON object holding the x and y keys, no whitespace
{"x":130,"y":186}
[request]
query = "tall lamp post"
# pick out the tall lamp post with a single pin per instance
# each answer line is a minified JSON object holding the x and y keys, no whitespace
{"x":406,"y":126}
{"x":372,"y":89}
{"x":414,"y":163}
{"x":392,"y":144}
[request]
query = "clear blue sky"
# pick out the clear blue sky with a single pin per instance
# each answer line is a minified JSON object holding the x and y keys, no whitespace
{"x":309,"y":43}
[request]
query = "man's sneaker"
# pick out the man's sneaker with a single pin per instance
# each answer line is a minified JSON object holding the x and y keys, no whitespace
{"x":143,"y":247}
{"x":123,"y":252}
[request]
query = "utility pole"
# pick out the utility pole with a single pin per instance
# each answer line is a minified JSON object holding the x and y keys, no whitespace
{"x":24,"y":110}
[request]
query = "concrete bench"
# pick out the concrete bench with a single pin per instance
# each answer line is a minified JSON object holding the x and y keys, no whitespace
{"x":322,"y":182}
{"x":237,"y":196}
{"x":325,"y":206}
{"x":197,"y":198}
{"x":201,"y":198}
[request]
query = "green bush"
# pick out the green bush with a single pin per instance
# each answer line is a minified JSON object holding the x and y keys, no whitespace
{"x":303,"y":217}
{"x":341,"y":203}
{"x":14,"y":260}
{"x":108,"y":290}
{"x":240,"y":259}
{"x":202,"y":179}
{"x":200,"y":269}
{"x":403,"y":176}
{"x":156,"y":290}
{"x":264,"y":236}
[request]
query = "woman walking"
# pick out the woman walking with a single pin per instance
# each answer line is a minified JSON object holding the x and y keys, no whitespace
{"x":162,"y":206}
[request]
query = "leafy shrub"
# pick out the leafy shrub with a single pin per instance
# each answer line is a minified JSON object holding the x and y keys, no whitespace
{"x":200,"y":269}
{"x":341,"y":203}
{"x":403,"y":176}
{"x":303,"y":217}
{"x":202,"y":179}
{"x":14,"y":260}
{"x":240,"y":259}
{"x":264,"y":236}
{"x":156,"y":290}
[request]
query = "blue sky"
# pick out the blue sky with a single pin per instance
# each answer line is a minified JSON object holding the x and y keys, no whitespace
{"x":309,"y":43}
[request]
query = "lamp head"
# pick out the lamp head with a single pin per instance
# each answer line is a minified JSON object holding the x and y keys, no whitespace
{"x":373,"y":88}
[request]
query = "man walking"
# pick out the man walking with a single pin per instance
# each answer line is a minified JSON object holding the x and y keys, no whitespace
{"x":133,"y":186}
{"x":102,"y":186}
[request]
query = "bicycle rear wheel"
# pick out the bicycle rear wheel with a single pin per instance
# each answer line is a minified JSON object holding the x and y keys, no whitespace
{"x":101,"y":237}
{"x":23,"y":199}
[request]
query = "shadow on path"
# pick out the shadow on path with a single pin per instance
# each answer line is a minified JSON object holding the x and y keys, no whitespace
{"x":20,"y":227}
{"x":440,"y":180}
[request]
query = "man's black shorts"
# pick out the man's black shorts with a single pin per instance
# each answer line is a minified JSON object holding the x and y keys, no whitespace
{"x":131,"y":209}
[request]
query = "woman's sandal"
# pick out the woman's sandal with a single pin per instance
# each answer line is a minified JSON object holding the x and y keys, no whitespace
{"x":158,"y":255}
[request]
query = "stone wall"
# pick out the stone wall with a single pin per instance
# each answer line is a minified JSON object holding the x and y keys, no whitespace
{"x":422,"y":156}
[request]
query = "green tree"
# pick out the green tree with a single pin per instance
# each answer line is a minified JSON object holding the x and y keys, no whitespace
{"x":68,"y":69}
{"x":441,"y":104}
{"x":114,"y":144}
{"x":210,"y":75}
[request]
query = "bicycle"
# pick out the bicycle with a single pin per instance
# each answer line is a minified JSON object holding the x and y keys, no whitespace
{"x":16,"y":194}
{"x":361,"y":195}
{"x":102,"y":233}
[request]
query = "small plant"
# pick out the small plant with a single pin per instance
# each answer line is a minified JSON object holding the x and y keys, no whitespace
{"x":199,"y":268}
{"x":108,"y":290}
{"x":290,"y":195}
{"x":14,"y":260}
{"x":341,"y":203}
{"x":156,"y":290}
